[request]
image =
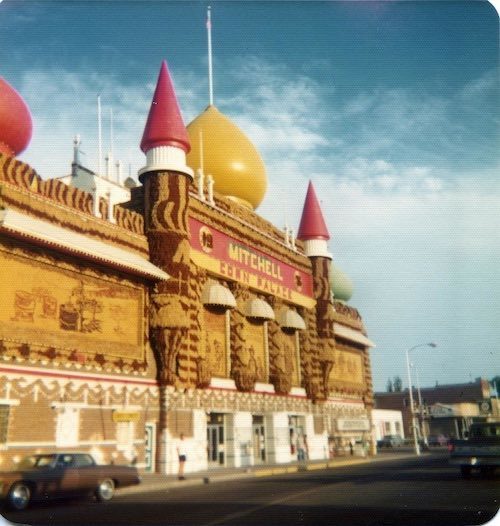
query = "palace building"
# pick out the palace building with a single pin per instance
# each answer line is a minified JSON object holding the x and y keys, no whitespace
{"x":133,"y":313}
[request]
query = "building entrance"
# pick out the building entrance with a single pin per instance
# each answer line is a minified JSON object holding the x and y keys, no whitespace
{"x":215,"y":440}
{"x":258,"y":439}
{"x":296,"y":429}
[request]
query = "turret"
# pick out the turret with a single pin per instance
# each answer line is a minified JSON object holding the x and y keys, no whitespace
{"x":313,"y":232}
{"x":165,"y":140}
{"x":166,"y":180}
{"x":312,"y":229}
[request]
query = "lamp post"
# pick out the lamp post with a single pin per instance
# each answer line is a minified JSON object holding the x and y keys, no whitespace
{"x":421,"y":410}
{"x":410,"y":389}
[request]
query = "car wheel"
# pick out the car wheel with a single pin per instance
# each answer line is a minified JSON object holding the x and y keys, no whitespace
{"x":105,"y":490}
{"x":466,"y":471}
{"x":19,"y":496}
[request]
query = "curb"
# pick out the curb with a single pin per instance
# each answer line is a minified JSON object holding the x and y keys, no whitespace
{"x":263,"y":472}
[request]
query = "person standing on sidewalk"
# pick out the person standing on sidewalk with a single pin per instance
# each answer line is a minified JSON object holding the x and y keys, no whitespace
{"x":352,"y":443}
{"x":182,"y":454}
{"x":301,"y":447}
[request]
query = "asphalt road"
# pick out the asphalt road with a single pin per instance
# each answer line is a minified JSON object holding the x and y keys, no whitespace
{"x":424,"y":491}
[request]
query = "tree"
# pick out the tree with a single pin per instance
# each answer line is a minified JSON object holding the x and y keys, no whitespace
{"x":390,"y":387}
{"x":495,"y":382}
{"x":398,"y":384}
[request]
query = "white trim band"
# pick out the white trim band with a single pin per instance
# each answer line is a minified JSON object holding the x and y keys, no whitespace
{"x":316,"y":248}
{"x":79,"y":244}
{"x":166,"y":158}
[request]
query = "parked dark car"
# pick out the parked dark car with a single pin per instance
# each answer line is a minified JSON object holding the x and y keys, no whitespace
{"x":391,"y":441}
{"x":437,"y":440}
{"x":480,"y":451}
{"x":56,"y":475}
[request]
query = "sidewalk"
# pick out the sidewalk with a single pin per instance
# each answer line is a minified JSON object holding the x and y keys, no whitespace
{"x":158,"y":482}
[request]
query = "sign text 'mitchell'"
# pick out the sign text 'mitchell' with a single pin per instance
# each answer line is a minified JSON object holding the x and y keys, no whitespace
{"x":255,"y":261}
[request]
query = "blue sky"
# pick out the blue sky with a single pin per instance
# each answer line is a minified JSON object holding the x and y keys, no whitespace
{"x":391,"y":108}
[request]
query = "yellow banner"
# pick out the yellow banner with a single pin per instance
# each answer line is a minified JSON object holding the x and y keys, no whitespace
{"x":254,"y":281}
{"x":125,"y":416}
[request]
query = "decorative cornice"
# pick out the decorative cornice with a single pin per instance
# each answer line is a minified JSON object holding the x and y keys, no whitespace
{"x":44,"y":208}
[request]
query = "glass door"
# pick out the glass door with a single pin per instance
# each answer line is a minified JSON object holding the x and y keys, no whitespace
{"x":215,"y":440}
{"x":258,"y":439}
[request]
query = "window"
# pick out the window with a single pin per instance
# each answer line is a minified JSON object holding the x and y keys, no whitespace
{"x":398,"y":428}
{"x":4,"y":423}
{"x":68,"y":423}
{"x":125,"y":434}
{"x":65,"y":460}
{"x":387,"y":428}
{"x":81,"y":461}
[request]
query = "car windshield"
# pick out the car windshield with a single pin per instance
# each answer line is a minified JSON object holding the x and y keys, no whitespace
{"x":37,"y":461}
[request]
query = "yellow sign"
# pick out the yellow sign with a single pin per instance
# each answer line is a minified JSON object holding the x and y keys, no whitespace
{"x":125,"y":416}
{"x":254,"y":281}
{"x":226,"y":256}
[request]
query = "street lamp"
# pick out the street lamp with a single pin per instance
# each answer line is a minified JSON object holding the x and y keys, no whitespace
{"x":412,"y":410}
{"x":421,"y":422}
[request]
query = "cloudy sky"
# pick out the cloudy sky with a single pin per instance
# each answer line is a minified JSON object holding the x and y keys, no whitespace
{"x":391,"y":108}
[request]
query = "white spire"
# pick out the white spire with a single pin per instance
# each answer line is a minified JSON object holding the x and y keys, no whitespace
{"x":210,"y":76}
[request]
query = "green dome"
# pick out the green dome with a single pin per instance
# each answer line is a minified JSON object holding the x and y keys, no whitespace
{"x":340,"y":284}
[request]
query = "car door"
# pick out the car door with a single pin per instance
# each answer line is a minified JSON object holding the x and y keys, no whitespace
{"x":88,"y":472}
{"x":68,"y":476}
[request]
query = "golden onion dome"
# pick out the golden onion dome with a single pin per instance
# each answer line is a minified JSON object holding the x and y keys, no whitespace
{"x":228,"y":156}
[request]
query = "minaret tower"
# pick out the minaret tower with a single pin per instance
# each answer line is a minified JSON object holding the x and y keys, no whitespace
{"x":166,"y":180}
{"x":314,"y":233}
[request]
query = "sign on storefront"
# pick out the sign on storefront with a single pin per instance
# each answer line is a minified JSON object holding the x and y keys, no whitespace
{"x":353,"y":424}
{"x":125,"y":416}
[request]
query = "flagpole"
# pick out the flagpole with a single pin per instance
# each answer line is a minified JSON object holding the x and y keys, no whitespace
{"x":99,"y":133}
{"x":210,"y":76}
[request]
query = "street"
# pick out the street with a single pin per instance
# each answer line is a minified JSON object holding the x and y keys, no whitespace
{"x":417,"y":491}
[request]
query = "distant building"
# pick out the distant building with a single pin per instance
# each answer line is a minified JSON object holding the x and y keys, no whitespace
{"x":444,"y":409}
{"x":387,"y":422}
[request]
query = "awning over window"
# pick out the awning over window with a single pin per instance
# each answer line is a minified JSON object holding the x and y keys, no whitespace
{"x":217,"y":295}
{"x":352,"y":335}
{"x":259,"y":309}
{"x":289,"y":319}
{"x":57,"y":237}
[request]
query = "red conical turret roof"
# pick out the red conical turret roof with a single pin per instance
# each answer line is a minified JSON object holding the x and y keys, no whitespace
{"x":312,"y":223}
{"x":164,"y":126}
{"x":15,"y":121}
